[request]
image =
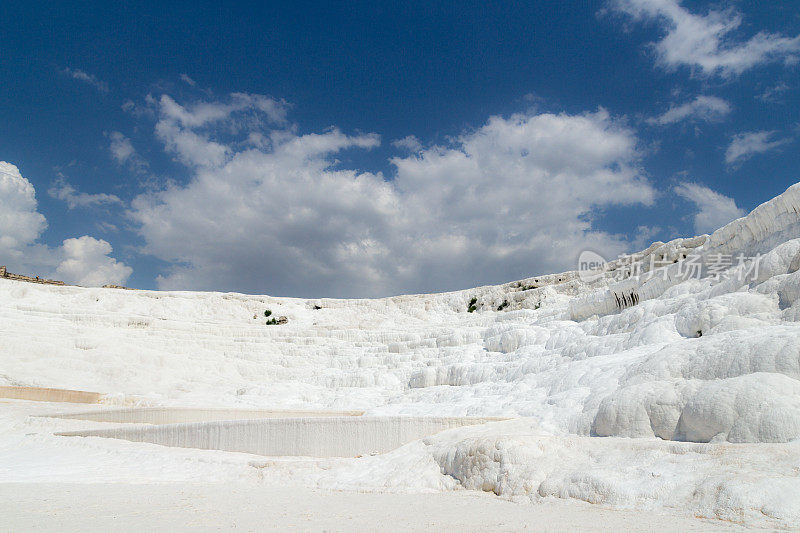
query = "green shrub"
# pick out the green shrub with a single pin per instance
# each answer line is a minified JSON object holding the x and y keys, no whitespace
{"x":503,"y":305}
{"x":267,"y":313}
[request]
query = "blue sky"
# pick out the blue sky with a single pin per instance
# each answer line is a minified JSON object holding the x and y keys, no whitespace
{"x":369,"y":148}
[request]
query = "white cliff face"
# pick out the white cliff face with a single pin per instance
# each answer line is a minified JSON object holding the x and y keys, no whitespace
{"x":708,"y":358}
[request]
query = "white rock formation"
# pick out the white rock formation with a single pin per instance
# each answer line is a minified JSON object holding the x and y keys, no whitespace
{"x":713,"y":358}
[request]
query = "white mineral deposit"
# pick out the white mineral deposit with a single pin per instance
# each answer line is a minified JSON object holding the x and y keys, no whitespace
{"x":657,"y":401}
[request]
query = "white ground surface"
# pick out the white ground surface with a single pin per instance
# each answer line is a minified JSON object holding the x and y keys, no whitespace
{"x":216,"y":507}
{"x":686,"y":402}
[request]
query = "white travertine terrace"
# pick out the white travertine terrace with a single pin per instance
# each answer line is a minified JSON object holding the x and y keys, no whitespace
{"x":309,"y":436}
{"x":687,"y":396}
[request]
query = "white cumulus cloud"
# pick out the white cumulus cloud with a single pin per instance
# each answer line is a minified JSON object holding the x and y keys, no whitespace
{"x":705,"y":108}
{"x":122,"y":151}
{"x":84,"y":260}
{"x":186,"y":130}
{"x":63,"y":190}
{"x":409,"y":142}
{"x":85,"y":77}
{"x":510,"y":199}
{"x":708,"y":43}
{"x":20,"y":222}
{"x":714,"y":210}
{"x":774,"y":93}
{"x":745,"y":145}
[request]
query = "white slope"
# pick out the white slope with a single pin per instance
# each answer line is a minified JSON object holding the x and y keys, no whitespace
{"x":561,"y":355}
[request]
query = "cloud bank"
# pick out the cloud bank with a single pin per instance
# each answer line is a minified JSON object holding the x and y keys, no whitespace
{"x":270,"y":209}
